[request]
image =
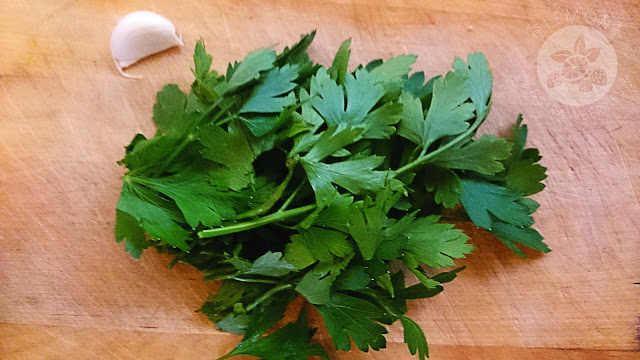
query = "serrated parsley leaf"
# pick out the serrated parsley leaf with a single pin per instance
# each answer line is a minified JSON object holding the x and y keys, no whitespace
{"x":448,"y":113}
{"x":353,"y":175}
{"x":230,"y":149}
{"x":266,"y":97}
{"x":481,"y":199}
{"x":362,"y":94}
{"x":524,"y":174}
{"x":526,"y":236}
{"x":368,"y":218}
{"x":417,"y":87}
{"x":381,"y":120}
{"x":480,"y":81}
{"x":331,"y":140}
{"x":323,"y":242}
{"x":449,"y":110}
{"x":445,"y":183}
{"x":393,"y":69}
{"x":298,"y":254}
{"x":353,"y":278}
{"x":168,"y":111}
{"x":248,"y":70}
{"x":412,"y":125}
{"x":338,"y":69}
{"x":483,"y":156}
{"x":414,"y":338}
{"x":335,"y":214}
{"x":289,"y":343}
{"x":316,"y":288}
{"x":269,"y":264}
{"x":503,"y":212}
{"x":316,"y":284}
{"x":436,"y":244}
{"x":129,"y":230}
{"x":348,"y":316}
{"x":392,"y":74}
{"x":200,"y":201}
{"x":173,"y":122}
{"x":202,"y":60}
{"x":154,"y":216}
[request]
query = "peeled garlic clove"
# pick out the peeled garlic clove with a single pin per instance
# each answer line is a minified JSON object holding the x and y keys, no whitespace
{"x":138,"y":35}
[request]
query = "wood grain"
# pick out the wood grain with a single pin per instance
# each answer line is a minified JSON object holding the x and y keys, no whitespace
{"x":68,"y":291}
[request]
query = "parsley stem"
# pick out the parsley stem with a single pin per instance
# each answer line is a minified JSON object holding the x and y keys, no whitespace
{"x":248,"y":225}
{"x":424,"y":159}
{"x":267,"y":295}
{"x":291,"y":197}
{"x":272,"y":199}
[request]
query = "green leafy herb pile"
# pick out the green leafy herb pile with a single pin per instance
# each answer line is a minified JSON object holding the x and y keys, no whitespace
{"x":283,"y":177}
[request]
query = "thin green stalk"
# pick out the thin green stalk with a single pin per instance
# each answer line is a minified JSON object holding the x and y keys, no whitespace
{"x":291,"y":197}
{"x":267,"y":295}
{"x":272,"y":199}
{"x":265,"y":220}
{"x":262,"y":281}
{"x":424,"y":159}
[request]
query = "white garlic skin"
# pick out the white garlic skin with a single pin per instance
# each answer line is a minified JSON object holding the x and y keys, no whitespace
{"x":140,"y":34}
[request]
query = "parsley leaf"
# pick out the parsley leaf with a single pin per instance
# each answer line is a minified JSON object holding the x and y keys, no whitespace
{"x":350,"y":316}
{"x":480,"y":81}
{"x":362,"y":93}
{"x":353,"y":278}
{"x":435,"y":244}
{"x":232,"y":150}
{"x":269,"y":264}
{"x":503,"y":212}
{"x":524,"y":174}
{"x":482,"y":156}
{"x":445,"y":183}
{"x":354,"y":175}
{"x":481,"y":199}
{"x":202,"y":60}
{"x":331,"y":141}
{"x":414,"y":338}
{"x":392,"y":73}
{"x":199,"y":200}
{"x":248,"y":70}
{"x":448,"y":113}
{"x":367,"y":220}
{"x":154,"y":215}
{"x":128,"y":229}
{"x":169,"y":111}
{"x":265,"y":97}
{"x":338,"y":69}
{"x":289,"y":343}
{"x":322,"y":243}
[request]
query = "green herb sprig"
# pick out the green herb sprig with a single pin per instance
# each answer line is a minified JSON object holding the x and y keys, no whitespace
{"x":283,"y":177}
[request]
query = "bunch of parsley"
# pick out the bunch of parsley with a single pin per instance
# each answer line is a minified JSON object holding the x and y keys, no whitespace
{"x":283,"y":177}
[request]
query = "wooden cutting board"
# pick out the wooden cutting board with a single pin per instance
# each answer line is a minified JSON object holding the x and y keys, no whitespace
{"x":67,"y":291}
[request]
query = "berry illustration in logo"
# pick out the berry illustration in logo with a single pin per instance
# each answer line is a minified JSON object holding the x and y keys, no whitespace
{"x":577,"y":67}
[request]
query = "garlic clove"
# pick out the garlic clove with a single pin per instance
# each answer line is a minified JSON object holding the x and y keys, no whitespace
{"x":138,"y":35}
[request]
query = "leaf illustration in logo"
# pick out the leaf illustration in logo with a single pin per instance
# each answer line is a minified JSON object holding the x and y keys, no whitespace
{"x":578,"y":47}
{"x":592,"y":54}
{"x":561,"y":56}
